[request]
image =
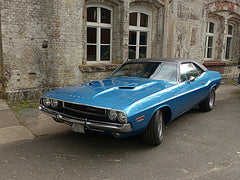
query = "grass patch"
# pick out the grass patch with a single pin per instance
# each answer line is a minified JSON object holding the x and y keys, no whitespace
{"x":22,"y":105}
{"x":22,"y":109}
{"x":236,"y":92}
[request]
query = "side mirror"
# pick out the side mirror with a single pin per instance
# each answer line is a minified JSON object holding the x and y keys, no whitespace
{"x":191,"y":79}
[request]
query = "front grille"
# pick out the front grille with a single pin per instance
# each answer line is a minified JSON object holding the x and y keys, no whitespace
{"x":81,"y":111}
{"x":84,"y":109}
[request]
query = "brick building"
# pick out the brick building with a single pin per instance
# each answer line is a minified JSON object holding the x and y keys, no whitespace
{"x":47,"y":44}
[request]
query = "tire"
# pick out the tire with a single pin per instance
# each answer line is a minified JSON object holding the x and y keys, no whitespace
{"x":208,"y":104}
{"x":154,"y":132}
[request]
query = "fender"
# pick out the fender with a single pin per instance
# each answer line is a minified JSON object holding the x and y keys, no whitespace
{"x":167,"y":113}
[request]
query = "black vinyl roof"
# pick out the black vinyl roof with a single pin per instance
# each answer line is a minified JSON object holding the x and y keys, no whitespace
{"x":172,"y":60}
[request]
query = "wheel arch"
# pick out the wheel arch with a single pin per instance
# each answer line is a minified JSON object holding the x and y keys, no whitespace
{"x":167,"y":113}
{"x":215,"y":86}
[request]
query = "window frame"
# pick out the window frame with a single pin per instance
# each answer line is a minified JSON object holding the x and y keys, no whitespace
{"x":98,"y":25}
{"x":231,"y":45}
{"x":213,"y":35}
{"x":138,"y":29}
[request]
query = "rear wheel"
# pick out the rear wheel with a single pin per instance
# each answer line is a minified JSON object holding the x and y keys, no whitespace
{"x":208,"y":104}
{"x":155,"y":130}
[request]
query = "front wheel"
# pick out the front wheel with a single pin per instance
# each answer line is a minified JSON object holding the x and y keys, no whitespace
{"x":155,"y":130}
{"x":208,"y":104}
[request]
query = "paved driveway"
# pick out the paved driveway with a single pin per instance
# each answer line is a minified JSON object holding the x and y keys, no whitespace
{"x":197,"y":145}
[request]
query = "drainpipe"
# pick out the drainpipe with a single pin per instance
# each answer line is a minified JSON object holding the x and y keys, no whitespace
{"x":2,"y":87}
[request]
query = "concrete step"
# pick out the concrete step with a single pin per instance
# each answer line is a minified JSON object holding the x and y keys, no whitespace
{"x":10,"y":129}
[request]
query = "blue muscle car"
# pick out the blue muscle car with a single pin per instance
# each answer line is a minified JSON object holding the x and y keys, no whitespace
{"x":140,"y":97}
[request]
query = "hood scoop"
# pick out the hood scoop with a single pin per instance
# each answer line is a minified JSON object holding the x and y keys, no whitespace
{"x":126,"y":87}
{"x":89,"y":84}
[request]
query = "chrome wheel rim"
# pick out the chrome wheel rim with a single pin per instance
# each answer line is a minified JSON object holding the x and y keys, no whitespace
{"x":160,"y":126}
{"x":212,"y":98}
{"x":160,"y":129}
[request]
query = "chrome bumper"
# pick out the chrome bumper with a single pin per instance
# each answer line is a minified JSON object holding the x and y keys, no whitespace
{"x":90,"y":124}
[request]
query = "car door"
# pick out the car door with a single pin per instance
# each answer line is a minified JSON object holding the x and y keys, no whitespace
{"x":191,"y":87}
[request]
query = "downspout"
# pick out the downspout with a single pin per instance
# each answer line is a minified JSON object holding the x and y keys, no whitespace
{"x":2,"y":79}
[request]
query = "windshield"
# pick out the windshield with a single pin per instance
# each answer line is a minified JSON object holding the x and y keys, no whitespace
{"x":150,"y":70}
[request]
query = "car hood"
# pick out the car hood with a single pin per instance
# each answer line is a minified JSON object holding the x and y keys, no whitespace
{"x":107,"y":93}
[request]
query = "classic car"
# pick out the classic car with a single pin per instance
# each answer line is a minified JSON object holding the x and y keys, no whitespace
{"x":139,"y":98}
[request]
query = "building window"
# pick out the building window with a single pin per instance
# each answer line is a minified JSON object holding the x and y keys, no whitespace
{"x":210,"y":41}
{"x":139,"y":35}
{"x":99,"y":34}
{"x":229,"y":41}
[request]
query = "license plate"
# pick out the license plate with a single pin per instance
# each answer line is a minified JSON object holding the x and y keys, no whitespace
{"x":78,"y":128}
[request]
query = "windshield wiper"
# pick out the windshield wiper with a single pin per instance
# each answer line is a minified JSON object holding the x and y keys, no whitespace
{"x":120,"y":76}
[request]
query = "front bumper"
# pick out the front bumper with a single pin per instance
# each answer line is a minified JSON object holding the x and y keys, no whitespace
{"x":89,"y":124}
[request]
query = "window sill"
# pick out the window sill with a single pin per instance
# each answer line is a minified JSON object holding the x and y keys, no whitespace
{"x":230,"y":62}
{"x":220,"y":63}
{"x":215,"y":66}
{"x":213,"y":63}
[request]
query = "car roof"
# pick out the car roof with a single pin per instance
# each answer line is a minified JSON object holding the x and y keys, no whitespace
{"x":172,"y":60}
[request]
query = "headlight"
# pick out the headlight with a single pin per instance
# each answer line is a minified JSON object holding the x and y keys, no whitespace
{"x":122,"y":117}
{"x":46,"y":102}
{"x":117,"y":115}
{"x":112,"y":115}
{"x":54,"y":103}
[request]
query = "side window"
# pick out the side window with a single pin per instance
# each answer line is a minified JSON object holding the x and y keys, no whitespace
{"x":189,"y":69}
{"x":199,"y":70}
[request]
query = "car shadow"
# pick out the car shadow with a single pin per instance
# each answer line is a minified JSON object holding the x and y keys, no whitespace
{"x":104,"y":143}
{"x":92,"y":141}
